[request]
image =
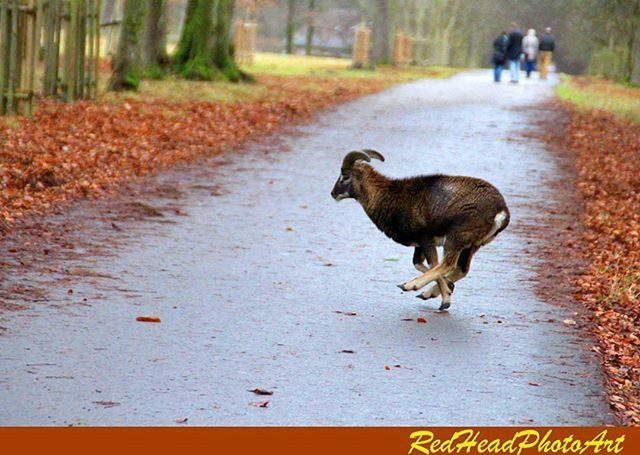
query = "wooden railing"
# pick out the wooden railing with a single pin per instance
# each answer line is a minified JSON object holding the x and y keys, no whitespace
{"x":50,"y":47}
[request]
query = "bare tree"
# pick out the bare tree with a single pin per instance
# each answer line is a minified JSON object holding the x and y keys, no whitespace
{"x":154,"y":39}
{"x":291,"y":14}
{"x":222,"y":58}
{"x":381,"y":49}
{"x":192,"y":59}
{"x":310,"y":26}
{"x":127,"y":61}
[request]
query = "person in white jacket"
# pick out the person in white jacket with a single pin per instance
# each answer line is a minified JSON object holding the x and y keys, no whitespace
{"x":530,"y":46}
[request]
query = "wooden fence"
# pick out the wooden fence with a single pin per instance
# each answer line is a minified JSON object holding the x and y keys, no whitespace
{"x":52,"y":42}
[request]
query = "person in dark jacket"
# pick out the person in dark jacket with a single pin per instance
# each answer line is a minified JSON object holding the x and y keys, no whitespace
{"x":514,"y":51}
{"x":499,"y":55}
{"x":547,"y":46}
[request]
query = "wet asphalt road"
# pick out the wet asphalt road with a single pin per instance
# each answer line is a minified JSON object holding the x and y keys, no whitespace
{"x":248,"y":284}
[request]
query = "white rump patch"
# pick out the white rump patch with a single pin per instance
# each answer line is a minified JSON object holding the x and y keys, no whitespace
{"x":498,"y":223}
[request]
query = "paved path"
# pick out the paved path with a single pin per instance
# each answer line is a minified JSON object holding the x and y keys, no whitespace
{"x":247,"y":298}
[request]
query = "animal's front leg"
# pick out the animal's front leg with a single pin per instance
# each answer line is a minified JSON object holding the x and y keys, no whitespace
{"x":442,"y":287}
{"x":418,"y":260}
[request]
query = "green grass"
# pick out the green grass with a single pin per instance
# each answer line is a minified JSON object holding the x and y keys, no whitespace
{"x":595,"y":93}
{"x":172,"y":89}
{"x":327,"y":67}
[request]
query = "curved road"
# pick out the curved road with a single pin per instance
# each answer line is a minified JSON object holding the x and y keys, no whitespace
{"x":249,"y":275}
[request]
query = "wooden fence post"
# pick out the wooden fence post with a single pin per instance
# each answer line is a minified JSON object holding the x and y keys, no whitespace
{"x":4,"y":47}
{"x":244,"y":42}
{"x":251,"y":42}
{"x":13,"y":59}
{"x":238,"y":42}
{"x":410,"y":51}
{"x":33,"y":51}
{"x":96,"y":67}
{"x":399,"y":49}
{"x":361,"y":46}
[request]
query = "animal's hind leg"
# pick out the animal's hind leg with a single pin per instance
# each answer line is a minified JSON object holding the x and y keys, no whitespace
{"x":442,"y":287}
{"x":461,"y":270}
{"x":447,"y":266}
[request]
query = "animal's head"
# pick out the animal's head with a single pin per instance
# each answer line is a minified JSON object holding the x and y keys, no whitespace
{"x":349,"y":182}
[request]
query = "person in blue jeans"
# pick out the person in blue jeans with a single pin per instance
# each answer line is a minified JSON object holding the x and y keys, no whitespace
{"x":514,"y":51}
{"x":499,"y":55}
{"x":530,"y":45}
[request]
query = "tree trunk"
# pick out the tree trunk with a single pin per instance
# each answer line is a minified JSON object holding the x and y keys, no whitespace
{"x":126,"y":68}
{"x":154,"y":39}
{"x":192,"y":59}
{"x":290,"y":25}
{"x":310,"y":27}
{"x":380,"y":52}
{"x":421,"y":48}
{"x":109,"y":14}
{"x":633,"y":64}
{"x":108,"y":11}
{"x":222,"y":57}
{"x":635,"y":72}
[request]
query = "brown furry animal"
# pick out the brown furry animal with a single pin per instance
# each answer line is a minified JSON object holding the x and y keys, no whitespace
{"x":461,"y":214}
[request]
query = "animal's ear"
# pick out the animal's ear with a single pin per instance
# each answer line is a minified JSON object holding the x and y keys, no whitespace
{"x":374,"y":154}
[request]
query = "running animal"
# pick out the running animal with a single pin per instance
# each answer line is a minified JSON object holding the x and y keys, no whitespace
{"x":458,"y":213}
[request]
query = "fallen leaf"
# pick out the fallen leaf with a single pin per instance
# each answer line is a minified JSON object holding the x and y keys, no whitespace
{"x":260,"y":404}
{"x":346,"y":313}
{"x":148,"y":319}
{"x":259,"y":391}
{"x":182,"y":420}
{"x":347,"y":351}
{"x":107,"y":404}
{"x":421,"y":320}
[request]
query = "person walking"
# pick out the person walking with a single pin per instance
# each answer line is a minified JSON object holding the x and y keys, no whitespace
{"x":530,"y":46}
{"x":547,"y":47}
{"x":514,"y":51}
{"x":499,"y":55}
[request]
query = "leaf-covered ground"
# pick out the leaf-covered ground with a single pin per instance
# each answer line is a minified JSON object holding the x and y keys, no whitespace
{"x":605,"y":151}
{"x":84,"y":149}
{"x":608,"y":158}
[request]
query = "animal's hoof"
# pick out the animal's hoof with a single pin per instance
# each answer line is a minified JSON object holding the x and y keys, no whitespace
{"x":404,"y":287}
{"x":427,"y":295}
{"x":444,"y":306}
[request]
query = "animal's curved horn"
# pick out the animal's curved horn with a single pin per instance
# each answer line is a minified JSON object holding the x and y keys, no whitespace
{"x":374,"y":154}
{"x":357,"y":155}
{"x":351,"y":158}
